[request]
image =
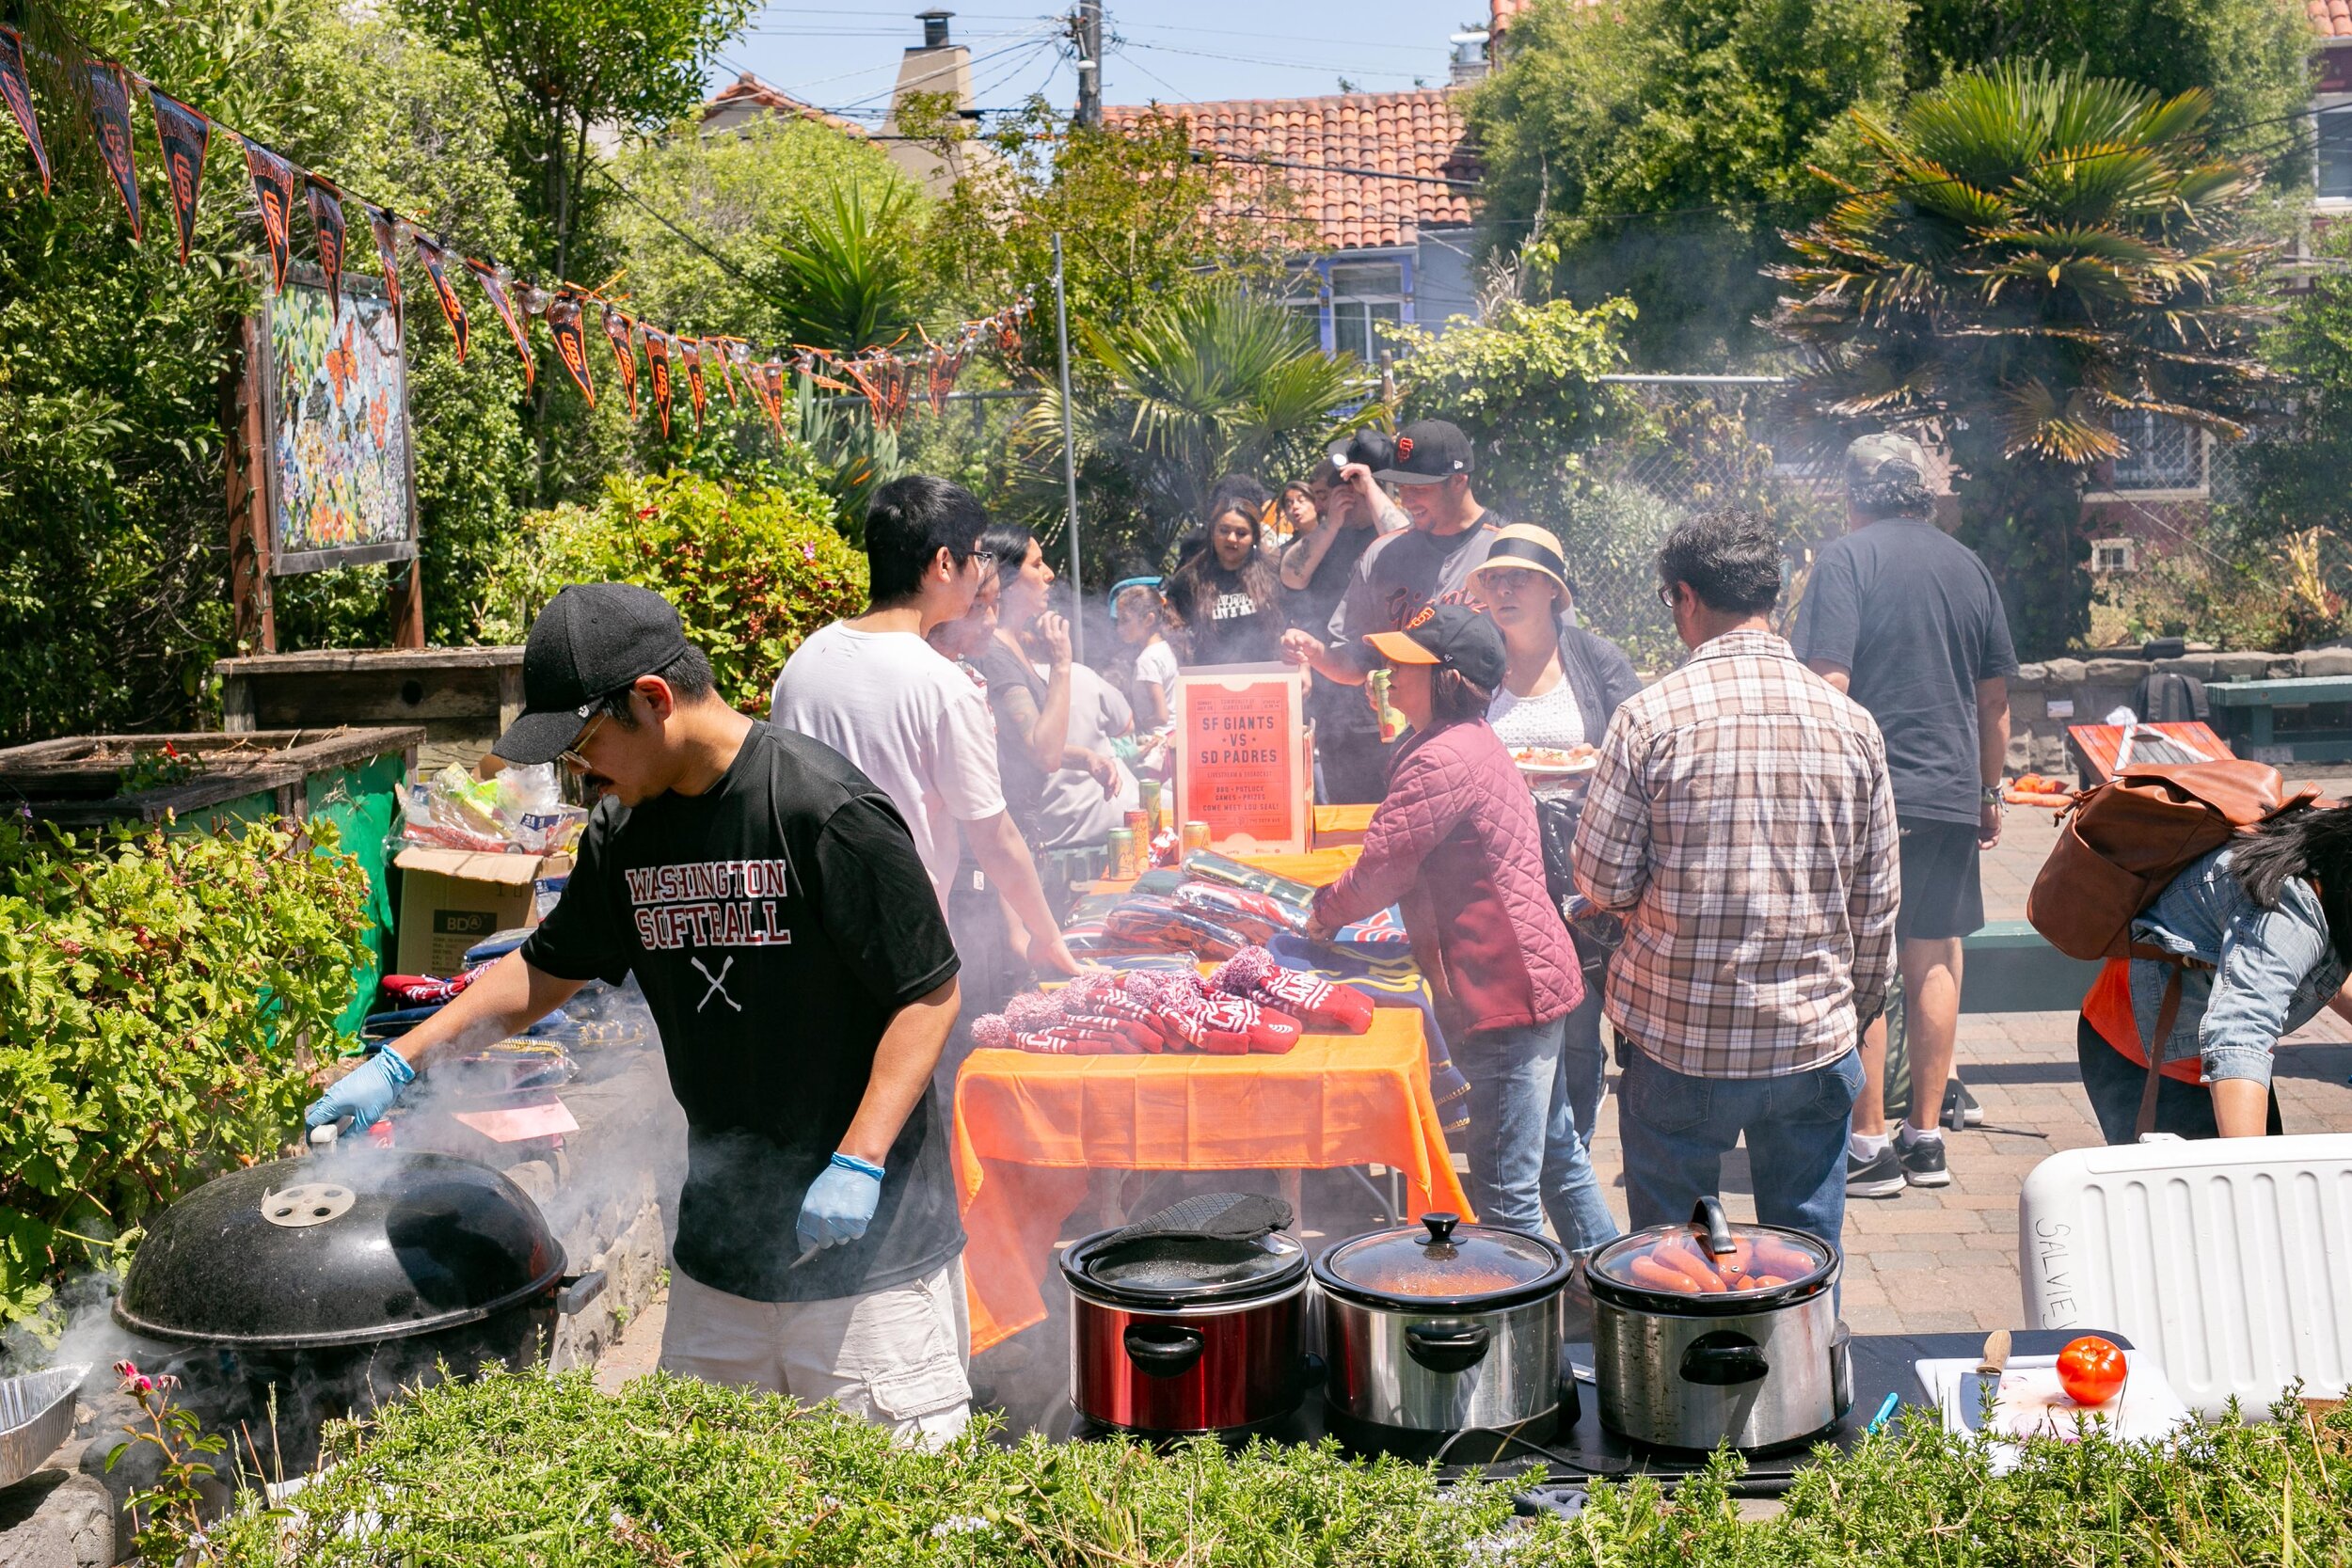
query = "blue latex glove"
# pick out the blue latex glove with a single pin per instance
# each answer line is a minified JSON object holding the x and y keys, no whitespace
{"x":840,"y":1203}
{"x":366,"y":1092}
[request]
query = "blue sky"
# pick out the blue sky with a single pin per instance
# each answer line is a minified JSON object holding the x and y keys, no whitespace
{"x":844,"y":55}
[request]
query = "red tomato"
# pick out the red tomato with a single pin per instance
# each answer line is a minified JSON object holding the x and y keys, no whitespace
{"x":2090,"y":1370}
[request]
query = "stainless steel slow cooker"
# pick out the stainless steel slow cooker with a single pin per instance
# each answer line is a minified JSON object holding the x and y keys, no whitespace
{"x":1715,"y":1333}
{"x":1433,"y":1331}
{"x":1179,"y":1334}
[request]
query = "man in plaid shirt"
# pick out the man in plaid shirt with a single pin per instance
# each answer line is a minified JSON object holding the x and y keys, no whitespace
{"x":1742,"y":823}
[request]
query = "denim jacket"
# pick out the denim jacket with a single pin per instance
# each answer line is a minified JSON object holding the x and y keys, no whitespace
{"x":2269,"y":970}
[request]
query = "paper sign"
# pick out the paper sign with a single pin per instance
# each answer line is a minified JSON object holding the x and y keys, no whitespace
{"x":1243,"y":766}
{"x":521,"y":1124}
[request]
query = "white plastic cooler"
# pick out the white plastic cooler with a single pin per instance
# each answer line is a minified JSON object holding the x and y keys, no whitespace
{"x":2230,"y":1260}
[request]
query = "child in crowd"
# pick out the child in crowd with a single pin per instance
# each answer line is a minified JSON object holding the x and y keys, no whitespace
{"x":1142,"y":614}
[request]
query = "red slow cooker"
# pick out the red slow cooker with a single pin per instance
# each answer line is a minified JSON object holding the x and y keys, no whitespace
{"x":1177,"y":1334}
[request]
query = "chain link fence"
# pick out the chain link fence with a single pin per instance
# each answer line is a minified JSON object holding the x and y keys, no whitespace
{"x":1690,"y":444}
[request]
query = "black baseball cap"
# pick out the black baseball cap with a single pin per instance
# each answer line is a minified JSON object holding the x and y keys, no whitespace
{"x":591,"y":639}
{"x":1427,"y":451}
{"x":1452,"y":635}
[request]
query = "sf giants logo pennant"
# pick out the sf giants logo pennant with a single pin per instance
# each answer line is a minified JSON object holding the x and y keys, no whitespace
{"x":501,"y":301}
{"x":186,"y":135}
{"x":383,"y":225}
{"x":273,"y":190}
{"x":110,"y":117}
{"x":691,"y":350}
{"x":658,"y":367}
{"x":436,"y":261}
{"x":768,"y":380}
{"x":19,"y":92}
{"x":571,"y":342}
{"x":618,"y":331}
{"x":326,"y":218}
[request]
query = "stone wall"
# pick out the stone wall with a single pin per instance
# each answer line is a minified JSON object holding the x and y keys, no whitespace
{"x":2086,"y":690}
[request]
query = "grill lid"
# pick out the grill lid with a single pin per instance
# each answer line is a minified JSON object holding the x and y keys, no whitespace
{"x":344,"y":1249}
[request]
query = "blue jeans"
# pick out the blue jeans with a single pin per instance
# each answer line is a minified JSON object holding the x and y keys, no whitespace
{"x":1583,"y":1075}
{"x":1520,"y":1167}
{"x":1678,"y":1128}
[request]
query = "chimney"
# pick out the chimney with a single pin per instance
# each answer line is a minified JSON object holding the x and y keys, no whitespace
{"x":1468,"y":62}
{"x":935,"y":29}
{"x":936,"y":67}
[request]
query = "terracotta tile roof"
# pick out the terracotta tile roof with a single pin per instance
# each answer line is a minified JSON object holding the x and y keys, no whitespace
{"x":1420,"y":133}
{"x":2333,"y":17}
{"x":749,"y":91}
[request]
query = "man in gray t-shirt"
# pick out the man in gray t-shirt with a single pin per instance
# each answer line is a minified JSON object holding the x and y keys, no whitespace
{"x":1905,"y":620}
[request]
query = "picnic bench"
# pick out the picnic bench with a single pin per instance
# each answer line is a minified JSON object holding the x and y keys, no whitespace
{"x":2251,"y":708}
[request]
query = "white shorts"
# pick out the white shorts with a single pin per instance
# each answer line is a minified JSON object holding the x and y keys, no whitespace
{"x":893,"y":1358}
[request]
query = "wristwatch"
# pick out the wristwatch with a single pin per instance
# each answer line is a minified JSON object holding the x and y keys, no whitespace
{"x":1991,"y":795}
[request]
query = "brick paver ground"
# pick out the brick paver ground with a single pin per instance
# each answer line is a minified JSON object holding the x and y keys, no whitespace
{"x":1946,"y":1259}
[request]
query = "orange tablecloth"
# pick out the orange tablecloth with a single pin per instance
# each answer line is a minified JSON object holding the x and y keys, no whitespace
{"x":1028,"y":1127}
{"x":1342,"y":825}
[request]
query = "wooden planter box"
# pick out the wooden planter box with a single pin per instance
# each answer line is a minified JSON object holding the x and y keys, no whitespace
{"x":76,"y":782}
{"x":464,"y":697}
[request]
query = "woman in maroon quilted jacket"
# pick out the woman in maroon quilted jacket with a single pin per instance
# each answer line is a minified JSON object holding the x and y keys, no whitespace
{"x":1454,"y":844}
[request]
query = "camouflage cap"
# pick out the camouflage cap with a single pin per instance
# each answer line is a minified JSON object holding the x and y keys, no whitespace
{"x":1873,"y":457}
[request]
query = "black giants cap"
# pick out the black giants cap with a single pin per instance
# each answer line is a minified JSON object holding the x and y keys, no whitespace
{"x":591,"y":641}
{"x":1428,"y":451}
{"x":1452,"y":635}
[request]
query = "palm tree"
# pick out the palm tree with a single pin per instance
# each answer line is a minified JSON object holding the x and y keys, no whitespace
{"x":848,"y":283}
{"x":1210,"y":380}
{"x":2036,"y":254}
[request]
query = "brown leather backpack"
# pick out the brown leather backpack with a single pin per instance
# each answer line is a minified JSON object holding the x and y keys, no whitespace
{"x":2119,"y":846}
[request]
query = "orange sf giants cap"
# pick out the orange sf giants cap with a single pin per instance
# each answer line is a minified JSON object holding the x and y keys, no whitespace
{"x":1452,"y":636}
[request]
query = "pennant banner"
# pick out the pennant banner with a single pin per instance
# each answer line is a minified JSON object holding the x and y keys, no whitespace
{"x":326,"y":219}
{"x":719,"y":349}
{"x":185,"y":137}
{"x":110,"y":117}
{"x":571,"y":341}
{"x":768,"y":378}
{"x":690,"y":350}
{"x":384,"y":227}
{"x":19,"y":92}
{"x":273,"y":192}
{"x":617,"y":328}
{"x":436,"y":261}
{"x":494,"y":286}
{"x":658,"y":367}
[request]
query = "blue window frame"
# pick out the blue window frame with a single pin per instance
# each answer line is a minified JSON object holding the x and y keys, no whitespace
{"x":1342,"y":297}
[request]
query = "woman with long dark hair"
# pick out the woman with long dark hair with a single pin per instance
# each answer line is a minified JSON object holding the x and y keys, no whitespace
{"x":2261,"y":930}
{"x":1227,"y":594}
{"x":1032,"y":708}
{"x":1454,"y":844}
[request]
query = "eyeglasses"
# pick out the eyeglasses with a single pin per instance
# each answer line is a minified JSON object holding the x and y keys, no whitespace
{"x":1667,"y":596}
{"x":571,"y":757}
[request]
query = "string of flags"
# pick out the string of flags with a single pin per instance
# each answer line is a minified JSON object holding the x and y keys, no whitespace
{"x":888,"y":379}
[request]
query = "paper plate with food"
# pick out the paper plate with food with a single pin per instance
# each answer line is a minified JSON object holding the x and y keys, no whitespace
{"x":1553,"y":762}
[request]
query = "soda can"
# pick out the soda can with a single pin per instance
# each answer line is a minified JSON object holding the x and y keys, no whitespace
{"x":1125,"y":862}
{"x":1196,"y":836}
{"x":1376,"y":689}
{"x":1148,"y":790}
{"x":1139,"y":824}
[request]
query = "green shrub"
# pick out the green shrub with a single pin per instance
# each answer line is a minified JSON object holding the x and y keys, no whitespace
{"x":153,"y":990}
{"x":549,"y":1471}
{"x":751,"y":570}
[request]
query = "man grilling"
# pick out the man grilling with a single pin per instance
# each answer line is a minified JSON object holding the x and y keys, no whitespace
{"x":770,"y":902}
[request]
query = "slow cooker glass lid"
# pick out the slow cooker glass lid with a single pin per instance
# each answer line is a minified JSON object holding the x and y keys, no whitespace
{"x":1190,"y":1265}
{"x":1443,"y":1259}
{"x":1674,"y":1259}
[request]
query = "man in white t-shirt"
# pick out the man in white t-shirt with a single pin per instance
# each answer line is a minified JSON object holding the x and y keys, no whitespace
{"x":874,"y":691}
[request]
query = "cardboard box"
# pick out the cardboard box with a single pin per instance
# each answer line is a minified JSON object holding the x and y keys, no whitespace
{"x":451,"y":898}
{"x":1244,"y":757}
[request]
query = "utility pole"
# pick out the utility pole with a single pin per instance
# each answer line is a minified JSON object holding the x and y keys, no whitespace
{"x":1089,"y":62}
{"x":1068,"y":461}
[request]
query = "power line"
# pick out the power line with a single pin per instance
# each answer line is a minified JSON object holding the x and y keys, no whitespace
{"x":1285,"y":64}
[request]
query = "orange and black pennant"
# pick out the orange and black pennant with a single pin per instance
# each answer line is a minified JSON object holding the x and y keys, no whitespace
{"x":690,"y":350}
{"x":768,"y":378}
{"x":384,"y":226}
{"x":503,"y":303}
{"x":110,"y":117}
{"x":273,"y":190}
{"x":185,"y":137}
{"x":571,"y":341}
{"x":723,"y":350}
{"x":620,"y":332}
{"x":436,"y":261}
{"x":657,"y":368}
{"x":326,"y":219}
{"x":19,"y":92}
